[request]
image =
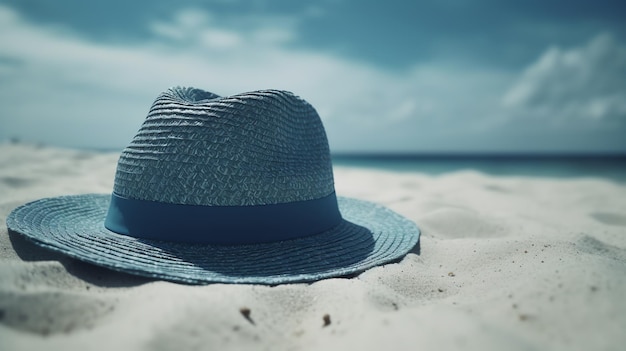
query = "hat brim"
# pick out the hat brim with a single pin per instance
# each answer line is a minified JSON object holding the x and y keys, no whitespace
{"x":369,"y":235}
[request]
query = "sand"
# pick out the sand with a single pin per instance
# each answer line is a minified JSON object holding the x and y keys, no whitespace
{"x":515,"y":263}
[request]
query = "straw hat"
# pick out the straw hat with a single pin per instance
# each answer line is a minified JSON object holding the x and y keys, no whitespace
{"x":235,"y":189}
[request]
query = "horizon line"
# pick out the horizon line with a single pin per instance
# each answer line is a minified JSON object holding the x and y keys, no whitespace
{"x":396,"y":154}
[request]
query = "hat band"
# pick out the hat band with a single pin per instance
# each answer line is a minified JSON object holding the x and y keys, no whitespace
{"x":221,"y":224}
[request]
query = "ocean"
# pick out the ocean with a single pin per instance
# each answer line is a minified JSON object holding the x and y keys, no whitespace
{"x":612,"y":167}
{"x":605,"y":166}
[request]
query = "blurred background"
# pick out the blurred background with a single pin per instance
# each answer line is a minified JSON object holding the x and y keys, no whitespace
{"x":435,"y":76}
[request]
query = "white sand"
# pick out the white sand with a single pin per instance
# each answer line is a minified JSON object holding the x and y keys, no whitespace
{"x":505,"y":263}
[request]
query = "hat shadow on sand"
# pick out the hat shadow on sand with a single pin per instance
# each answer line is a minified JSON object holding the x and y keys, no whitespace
{"x":90,"y":273}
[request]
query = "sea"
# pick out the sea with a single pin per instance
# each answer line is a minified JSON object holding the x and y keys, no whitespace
{"x":561,"y":166}
{"x":611,"y":167}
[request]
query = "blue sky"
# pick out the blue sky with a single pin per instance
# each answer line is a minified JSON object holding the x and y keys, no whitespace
{"x":410,"y":76}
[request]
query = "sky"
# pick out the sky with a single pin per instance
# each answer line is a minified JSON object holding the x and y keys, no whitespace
{"x":385,"y":76}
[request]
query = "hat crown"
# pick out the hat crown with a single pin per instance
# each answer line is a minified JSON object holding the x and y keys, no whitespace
{"x":257,"y":148}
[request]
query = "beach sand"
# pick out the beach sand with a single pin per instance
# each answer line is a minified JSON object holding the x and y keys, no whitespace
{"x":504,"y":263}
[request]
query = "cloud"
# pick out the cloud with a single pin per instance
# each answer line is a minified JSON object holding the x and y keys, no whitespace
{"x":579,"y":84}
{"x":60,"y":88}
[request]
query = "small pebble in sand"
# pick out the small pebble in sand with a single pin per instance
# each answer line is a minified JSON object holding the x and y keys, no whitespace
{"x":523,"y":317}
{"x":326,"y":319}
{"x":245,"y":312}
{"x":451,"y":274}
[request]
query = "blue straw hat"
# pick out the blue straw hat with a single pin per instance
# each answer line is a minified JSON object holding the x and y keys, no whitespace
{"x":234,"y":189}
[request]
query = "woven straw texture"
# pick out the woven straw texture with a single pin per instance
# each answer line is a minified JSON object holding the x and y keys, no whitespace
{"x":369,"y":235}
{"x":196,"y":148}
{"x":257,"y":148}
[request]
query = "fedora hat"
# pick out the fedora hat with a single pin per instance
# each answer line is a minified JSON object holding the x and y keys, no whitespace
{"x":235,"y":189}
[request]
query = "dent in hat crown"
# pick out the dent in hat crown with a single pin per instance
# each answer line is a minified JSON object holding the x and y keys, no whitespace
{"x":257,"y":148}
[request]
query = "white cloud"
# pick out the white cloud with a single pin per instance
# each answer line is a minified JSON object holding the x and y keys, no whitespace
{"x":583,"y":83}
{"x":60,"y":88}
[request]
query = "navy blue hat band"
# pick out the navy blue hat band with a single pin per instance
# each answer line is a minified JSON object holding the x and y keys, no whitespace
{"x":221,"y":224}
